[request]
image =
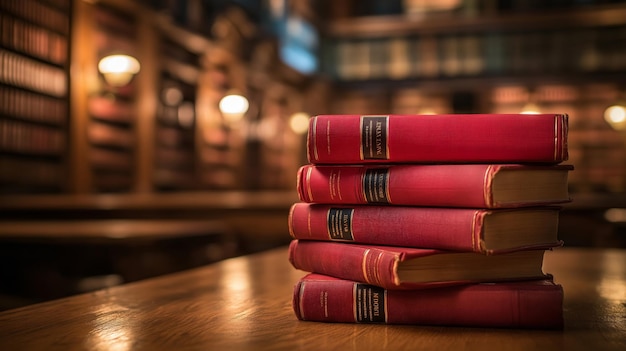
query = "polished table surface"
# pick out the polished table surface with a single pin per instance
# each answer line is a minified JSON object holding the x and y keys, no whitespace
{"x":244,"y":303}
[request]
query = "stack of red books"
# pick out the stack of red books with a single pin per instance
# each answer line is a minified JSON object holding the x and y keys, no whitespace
{"x":430,"y":219}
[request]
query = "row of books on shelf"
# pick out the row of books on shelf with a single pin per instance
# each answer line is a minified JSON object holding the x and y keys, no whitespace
{"x":102,"y":158}
{"x":182,"y":115}
{"x":31,"y":74}
{"x":111,"y":109}
{"x":53,"y":16}
{"x":28,"y":172}
{"x":29,"y":106}
{"x":468,"y":8}
{"x":33,"y":40}
{"x":30,"y":138}
{"x":110,"y":135}
{"x":454,"y":55}
{"x":113,"y":180}
{"x":430,"y":220}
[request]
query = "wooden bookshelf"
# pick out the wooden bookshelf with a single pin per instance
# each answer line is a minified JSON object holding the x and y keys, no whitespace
{"x":592,"y":16}
{"x":492,"y":57}
{"x":76,"y":133}
{"x":34,"y":68}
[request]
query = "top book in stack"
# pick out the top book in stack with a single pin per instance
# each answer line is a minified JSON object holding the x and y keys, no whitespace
{"x":445,"y":138}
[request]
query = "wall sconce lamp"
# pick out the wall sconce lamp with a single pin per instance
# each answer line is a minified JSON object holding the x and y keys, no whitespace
{"x":233,"y":106}
{"x":616,"y":116}
{"x":118,"y":70}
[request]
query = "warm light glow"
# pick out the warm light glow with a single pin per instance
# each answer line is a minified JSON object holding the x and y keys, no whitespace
{"x":172,"y":96}
{"x":234,"y":104}
{"x":186,"y":114}
{"x":530,"y":109}
{"x":426,"y":111}
{"x":233,"y":107}
{"x":112,"y":329}
{"x":299,"y":122}
{"x":616,"y":117}
{"x":118,"y":70}
{"x":615,"y":215}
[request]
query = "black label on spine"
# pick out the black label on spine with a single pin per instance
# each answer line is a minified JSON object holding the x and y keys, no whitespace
{"x":340,"y":223}
{"x":370,"y":304}
{"x":374,"y":137}
{"x":375,"y":185}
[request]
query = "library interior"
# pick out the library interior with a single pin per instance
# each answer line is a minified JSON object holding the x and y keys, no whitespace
{"x":141,"y":138}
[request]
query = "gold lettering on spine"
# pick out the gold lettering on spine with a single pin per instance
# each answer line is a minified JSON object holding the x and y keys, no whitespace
{"x":374,"y":133}
{"x":387,"y":137}
{"x":378,"y":138}
{"x":339,"y":185}
{"x":361,"y":155}
{"x":335,"y":184}
{"x":328,"y":137}
{"x":375,"y":304}
{"x":387,"y":193}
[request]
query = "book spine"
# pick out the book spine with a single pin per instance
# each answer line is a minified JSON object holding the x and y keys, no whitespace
{"x":351,"y":139}
{"x":358,"y":263}
{"x":441,"y":228}
{"x":499,"y":305}
{"x":432,"y":185}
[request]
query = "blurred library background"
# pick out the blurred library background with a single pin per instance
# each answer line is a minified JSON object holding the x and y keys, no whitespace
{"x":142,"y":137}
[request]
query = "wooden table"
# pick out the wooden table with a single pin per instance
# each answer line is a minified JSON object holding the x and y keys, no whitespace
{"x":245,"y":304}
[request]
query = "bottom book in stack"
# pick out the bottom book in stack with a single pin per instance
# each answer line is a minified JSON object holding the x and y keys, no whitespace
{"x":535,"y":304}
{"x":400,"y":285}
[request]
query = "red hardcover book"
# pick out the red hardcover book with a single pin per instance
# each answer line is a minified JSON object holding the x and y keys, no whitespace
{"x":534,"y":304}
{"x":450,"y":185}
{"x":457,"y":229}
{"x":447,"y":138}
{"x":394,"y":267}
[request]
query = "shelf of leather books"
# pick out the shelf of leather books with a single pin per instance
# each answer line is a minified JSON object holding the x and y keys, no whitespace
{"x":78,"y":148}
{"x":163,"y":132}
{"x":34,"y":81}
{"x":491,"y":57}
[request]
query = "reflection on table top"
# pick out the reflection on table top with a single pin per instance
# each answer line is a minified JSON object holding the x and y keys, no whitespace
{"x":245,"y":304}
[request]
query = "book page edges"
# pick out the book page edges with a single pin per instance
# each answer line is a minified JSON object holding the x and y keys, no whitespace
{"x":560,"y":138}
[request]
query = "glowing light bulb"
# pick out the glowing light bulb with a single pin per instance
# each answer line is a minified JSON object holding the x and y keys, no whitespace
{"x":616,"y":117}
{"x":233,"y":107}
{"x":299,"y":122}
{"x":118,"y":70}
